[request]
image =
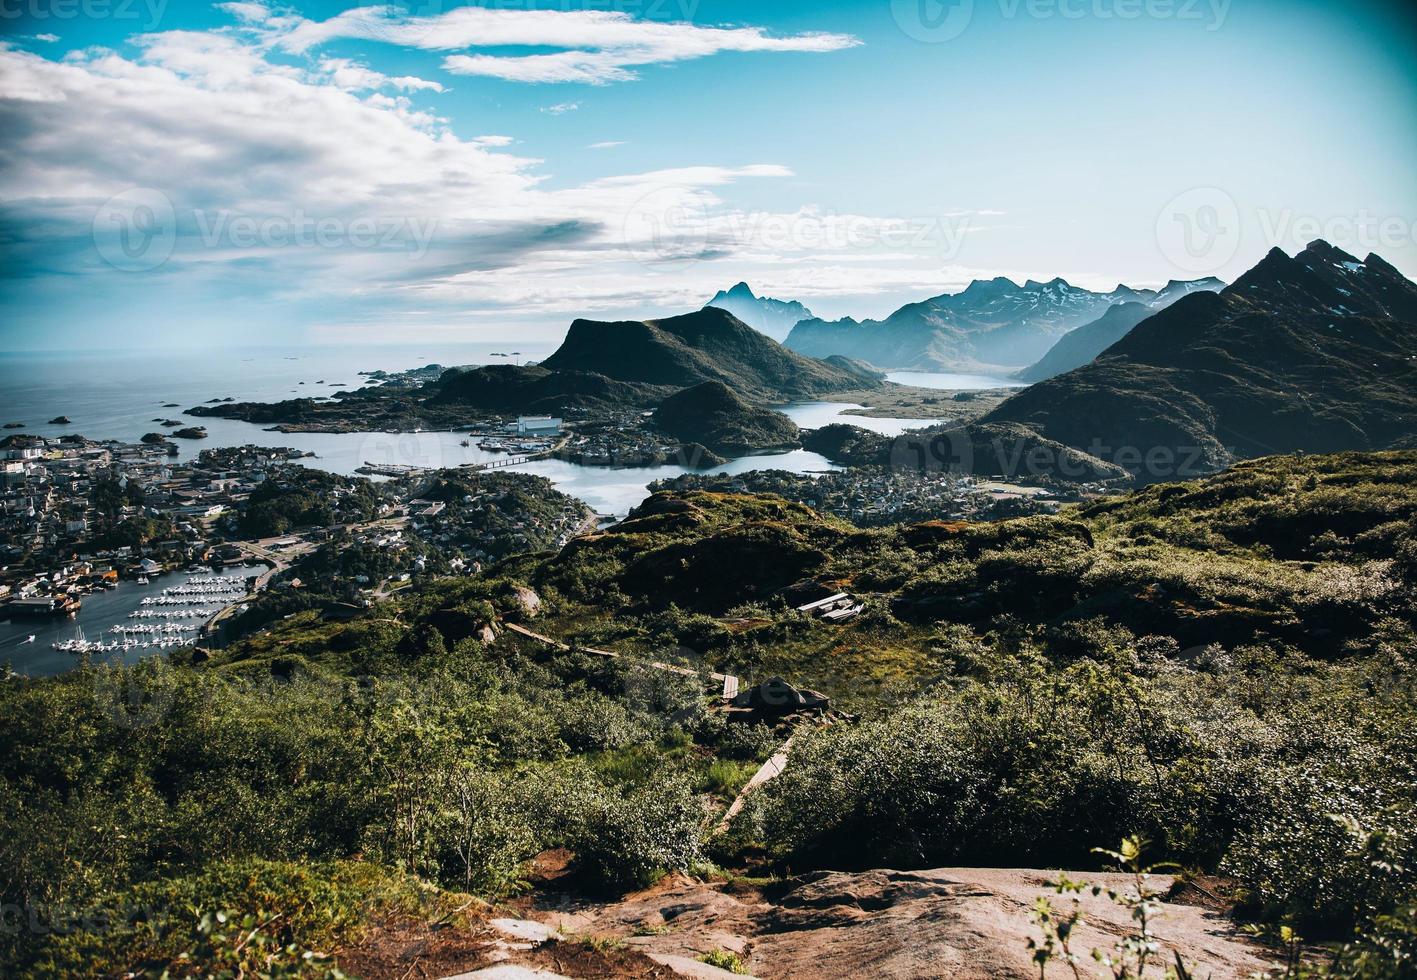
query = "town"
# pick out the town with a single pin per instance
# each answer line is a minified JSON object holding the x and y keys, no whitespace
{"x":78,"y":517}
{"x":877,"y":496}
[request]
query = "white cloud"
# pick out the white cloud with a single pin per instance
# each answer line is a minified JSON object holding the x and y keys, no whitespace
{"x":227,"y":132}
{"x":251,"y":13}
{"x":351,"y":75}
{"x":596,"y":47}
{"x":560,"y":108}
{"x":47,"y":38}
{"x":605,"y":145}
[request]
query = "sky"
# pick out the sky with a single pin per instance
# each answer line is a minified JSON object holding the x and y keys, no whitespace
{"x":178,"y":174}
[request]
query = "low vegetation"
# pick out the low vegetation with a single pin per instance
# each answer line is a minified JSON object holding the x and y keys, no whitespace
{"x":1224,"y":667}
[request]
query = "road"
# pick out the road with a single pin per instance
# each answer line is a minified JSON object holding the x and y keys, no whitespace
{"x":264,"y":551}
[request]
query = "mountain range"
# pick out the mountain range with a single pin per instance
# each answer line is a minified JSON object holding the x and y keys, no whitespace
{"x":774,"y":317}
{"x":639,"y":363}
{"x":991,"y":324}
{"x":1079,"y":346}
{"x":1315,"y":352}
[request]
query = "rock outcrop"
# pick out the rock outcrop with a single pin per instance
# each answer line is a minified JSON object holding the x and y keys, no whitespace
{"x":961,"y":923}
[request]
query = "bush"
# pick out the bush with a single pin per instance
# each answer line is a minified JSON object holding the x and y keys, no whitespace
{"x":1330,"y":855}
{"x":199,"y":925}
{"x":627,"y":841}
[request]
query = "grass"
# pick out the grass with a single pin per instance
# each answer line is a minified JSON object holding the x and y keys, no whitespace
{"x":726,"y":777}
{"x":725,"y":960}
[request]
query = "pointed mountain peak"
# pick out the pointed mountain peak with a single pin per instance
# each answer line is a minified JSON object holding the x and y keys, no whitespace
{"x":741,"y":291}
{"x":1377,"y":263}
{"x":1275,"y":264}
{"x":1057,"y":282}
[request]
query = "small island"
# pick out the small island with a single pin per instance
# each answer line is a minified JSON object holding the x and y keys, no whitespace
{"x":711,"y":415}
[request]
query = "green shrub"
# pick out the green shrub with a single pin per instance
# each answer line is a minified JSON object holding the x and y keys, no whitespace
{"x":725,"y":960}
{"x":627,"y":841}
{"x":250,"y":917}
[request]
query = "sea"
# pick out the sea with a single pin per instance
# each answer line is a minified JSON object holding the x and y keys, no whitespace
{"x":122,"y":394}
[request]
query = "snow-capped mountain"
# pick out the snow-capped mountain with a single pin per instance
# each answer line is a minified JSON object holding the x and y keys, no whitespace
{"x":990,"y":323}
{"x":1077,"y":347}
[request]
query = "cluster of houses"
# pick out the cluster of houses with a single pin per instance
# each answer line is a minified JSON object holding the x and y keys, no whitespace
{"x":877,"y":496}
{"x":625,"y":439}
{"x":500,"y":519}
{"x":77,"y":515}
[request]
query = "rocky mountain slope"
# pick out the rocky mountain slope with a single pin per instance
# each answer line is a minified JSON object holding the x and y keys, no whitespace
{"x":774,"y":317}
{"x":1317,"y":352}
{"x":991,"y":323}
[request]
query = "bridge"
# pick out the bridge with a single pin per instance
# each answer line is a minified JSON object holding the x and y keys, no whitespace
{"x":502,"y":464}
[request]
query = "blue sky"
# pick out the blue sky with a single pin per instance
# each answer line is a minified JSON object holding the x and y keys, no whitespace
{"x":184,"y":174}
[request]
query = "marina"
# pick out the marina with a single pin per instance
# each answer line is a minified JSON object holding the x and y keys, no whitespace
{"x":105,"y":628}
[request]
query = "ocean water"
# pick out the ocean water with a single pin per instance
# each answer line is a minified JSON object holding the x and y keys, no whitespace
{"x":814,"y":415}
{"x":117,"y":395}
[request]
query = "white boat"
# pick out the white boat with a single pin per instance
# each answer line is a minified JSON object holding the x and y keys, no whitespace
{"x":142,"y":580}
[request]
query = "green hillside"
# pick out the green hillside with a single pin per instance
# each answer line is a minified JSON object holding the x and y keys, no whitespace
{"x":1224,"y":666}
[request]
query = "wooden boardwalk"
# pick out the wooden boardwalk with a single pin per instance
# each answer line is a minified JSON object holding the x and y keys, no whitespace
{"x":729,"y":681}
{"x":769,"y":770}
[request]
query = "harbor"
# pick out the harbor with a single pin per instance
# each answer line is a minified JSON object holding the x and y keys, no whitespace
{"x":108,"y":625}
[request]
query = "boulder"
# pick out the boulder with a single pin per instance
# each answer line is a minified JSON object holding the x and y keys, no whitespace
{"x":776,"y":696}
{"x":527,"y":601}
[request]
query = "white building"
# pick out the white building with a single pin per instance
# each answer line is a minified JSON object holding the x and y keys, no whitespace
{"x":536,"y":425}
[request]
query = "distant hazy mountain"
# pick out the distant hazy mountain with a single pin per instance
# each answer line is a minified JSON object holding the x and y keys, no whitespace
{"x":992,"y":323}
{"x":774,"y":317}
{"x":638,"y":363}
{"x":1077,"y":347}
{"x":1317,"y":353}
